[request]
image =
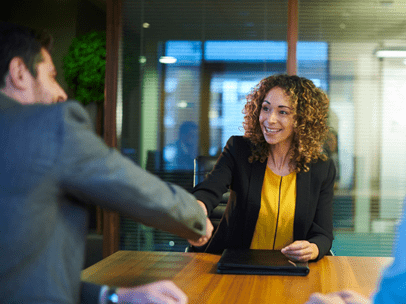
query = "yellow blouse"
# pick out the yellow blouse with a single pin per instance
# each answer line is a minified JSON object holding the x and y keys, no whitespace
{"x":274,"y":228}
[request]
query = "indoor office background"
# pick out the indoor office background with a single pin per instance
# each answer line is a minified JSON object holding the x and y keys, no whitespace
{"x":222,"y":49}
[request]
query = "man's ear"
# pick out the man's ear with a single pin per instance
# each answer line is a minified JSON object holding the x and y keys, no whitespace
{"x":20,"y":76}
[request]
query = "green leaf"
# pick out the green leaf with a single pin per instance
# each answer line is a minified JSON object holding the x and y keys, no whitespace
{"x":85,"y":65}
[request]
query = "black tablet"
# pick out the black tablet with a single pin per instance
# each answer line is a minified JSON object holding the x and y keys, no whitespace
{"x":257,"y":261}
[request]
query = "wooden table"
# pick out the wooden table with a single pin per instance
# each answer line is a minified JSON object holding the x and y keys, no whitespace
{"x":195,"y":274}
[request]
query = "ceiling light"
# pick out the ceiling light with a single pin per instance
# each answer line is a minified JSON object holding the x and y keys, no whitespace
{"x":391,"y":53}
{"x":182,"y":104}
{"x":142,"y":59}
{"x":145,"y":25}
{"x":167,"y":59}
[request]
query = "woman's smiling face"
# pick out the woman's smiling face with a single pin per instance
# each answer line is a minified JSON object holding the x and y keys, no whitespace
{"x":276,"y":118}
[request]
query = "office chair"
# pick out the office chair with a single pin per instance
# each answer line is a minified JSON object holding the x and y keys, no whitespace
{"x":202,"y":166}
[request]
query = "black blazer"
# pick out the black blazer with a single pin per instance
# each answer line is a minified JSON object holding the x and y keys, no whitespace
{"x":313,"y":215}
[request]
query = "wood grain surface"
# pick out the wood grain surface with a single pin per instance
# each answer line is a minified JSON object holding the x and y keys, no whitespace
{"x":195,"y":274}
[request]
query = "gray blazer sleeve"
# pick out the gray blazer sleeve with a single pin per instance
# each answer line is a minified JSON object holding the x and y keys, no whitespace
{"x":101,"y":175}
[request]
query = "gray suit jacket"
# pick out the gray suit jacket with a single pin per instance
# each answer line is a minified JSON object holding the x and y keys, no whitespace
{"x":51,"y":165}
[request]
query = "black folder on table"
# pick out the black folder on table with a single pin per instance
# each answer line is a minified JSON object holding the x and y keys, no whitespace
{"x":258,"y":261}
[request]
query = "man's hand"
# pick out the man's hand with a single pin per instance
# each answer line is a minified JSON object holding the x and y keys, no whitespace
{"x":160,"y":292}
{"x":209,"y":230}
{"x":204,"y":239}
{"x":301,"y":251}
{"x":341,"y":297}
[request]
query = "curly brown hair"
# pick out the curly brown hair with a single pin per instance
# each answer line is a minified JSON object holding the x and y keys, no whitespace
{"x":310,"y":109}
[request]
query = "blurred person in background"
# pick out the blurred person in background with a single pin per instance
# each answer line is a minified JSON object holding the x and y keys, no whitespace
{"x":180,"y":155}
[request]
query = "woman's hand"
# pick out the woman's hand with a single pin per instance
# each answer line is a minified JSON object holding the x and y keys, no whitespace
{"x":209,"y":230}
{"x":301,"y":251}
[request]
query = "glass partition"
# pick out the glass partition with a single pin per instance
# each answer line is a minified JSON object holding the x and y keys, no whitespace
{"x":368,"y":136}
{"x":188,"y":65}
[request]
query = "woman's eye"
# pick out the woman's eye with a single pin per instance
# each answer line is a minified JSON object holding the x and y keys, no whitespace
{"x":264,"y":108}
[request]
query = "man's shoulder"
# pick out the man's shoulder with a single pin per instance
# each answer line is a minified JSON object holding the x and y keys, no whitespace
{"x":58,"y":113}
{"x":68,"y":108}
{"x":74,"y":108}
{"x":11,"y":107}
{"x":44,"y":118}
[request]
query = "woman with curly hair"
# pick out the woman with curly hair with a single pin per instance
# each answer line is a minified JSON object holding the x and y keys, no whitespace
{"x":281,"y":183}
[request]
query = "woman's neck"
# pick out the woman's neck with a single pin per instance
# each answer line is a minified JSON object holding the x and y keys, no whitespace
{"x":279,"y":160}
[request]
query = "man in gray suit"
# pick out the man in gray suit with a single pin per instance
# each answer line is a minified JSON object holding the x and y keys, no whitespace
{"x":51,"y":165}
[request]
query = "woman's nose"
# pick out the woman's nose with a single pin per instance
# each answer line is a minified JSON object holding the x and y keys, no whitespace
{"x":272,"y":116}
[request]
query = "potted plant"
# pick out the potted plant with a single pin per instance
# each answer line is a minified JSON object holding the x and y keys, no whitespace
{"x":84,"y":67}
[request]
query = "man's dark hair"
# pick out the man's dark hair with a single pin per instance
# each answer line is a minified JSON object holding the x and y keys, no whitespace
{"x":23,"y":42}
